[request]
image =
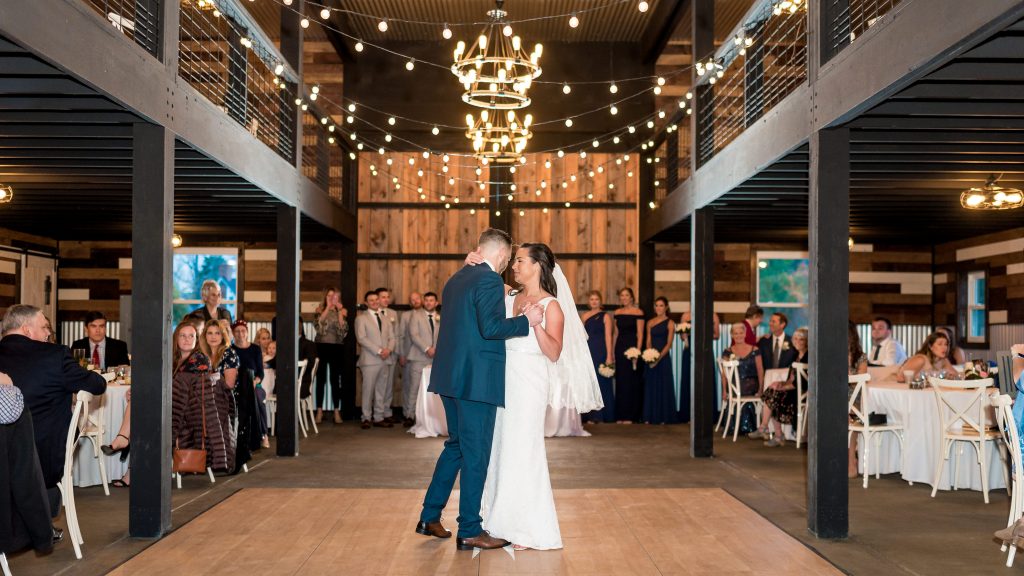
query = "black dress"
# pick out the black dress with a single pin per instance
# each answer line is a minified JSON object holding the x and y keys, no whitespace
{"x":599,"y":353}
{"x":629,"y":388}
{"x":659,"y":389}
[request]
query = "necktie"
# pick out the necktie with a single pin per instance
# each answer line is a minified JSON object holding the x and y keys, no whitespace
{"x":874,"y":355}
{"x":431,"y":318}
{"x":96,"y":355}
{"x":776,"y":351}
{"x":380,"y":325}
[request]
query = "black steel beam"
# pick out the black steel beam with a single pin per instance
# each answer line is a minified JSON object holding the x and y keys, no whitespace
{"x":285,"y":387}
{"x":462,"y":256}
{"x":828,"y":230}
{"x":702,"y":357}
{"x":149,"y":502}
{"x":349,"y":287}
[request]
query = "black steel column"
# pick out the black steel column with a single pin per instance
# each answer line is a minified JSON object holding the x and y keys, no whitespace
{"x":828,"y":223}
{"x":350,"y":298}
{"x":291,"y":49}
{"x":149,"y":498}
{"x":287,"y":330}
{"x":703,"y":47}
{"x":702,"y":308}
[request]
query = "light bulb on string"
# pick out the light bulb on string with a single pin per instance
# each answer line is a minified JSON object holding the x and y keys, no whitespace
{"x":435,"y":130}
{"x":643,"y":6}
{"x":325,"y":14}
{"x":614,"y":110}
{"x":547,"y":163}
{"x":426,"y":155}
{"x":351,"y":107}
{"x":445,"y":158}
{"x":574,"y":21}
{"x":631,"y":129}
{"x":391,"y":121}
{"x":583,"y":153}
{"x":596,"y":143}
{"x":566,"y":88}
{"x":383,"y":25}
{"x":350,"y":119}
{"x":650,"y":124}
{"x":279,"y":69}
{"x":447,"y":32}
{"x":410,"y":64}
{"x":359,"y":46}
{"x":568,"y":122}
{"x":387,"y":138}
{"x":507,"y":30}
{"x":657,"y":90}
{"x":561,"y":154}
{"x":304,"y":23}
{"x":613,"y":88}
{"x":615,"y":140}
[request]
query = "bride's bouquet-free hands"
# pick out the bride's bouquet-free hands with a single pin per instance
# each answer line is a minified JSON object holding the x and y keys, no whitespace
{"x":632,"y":353}
{"x":651,"y":356}
{"x":606,"y":369}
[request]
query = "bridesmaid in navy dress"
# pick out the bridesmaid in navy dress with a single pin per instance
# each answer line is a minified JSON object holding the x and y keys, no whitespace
{"x":599,"y":338}
{"x":659,"y":388}
{"x":629,"y":388}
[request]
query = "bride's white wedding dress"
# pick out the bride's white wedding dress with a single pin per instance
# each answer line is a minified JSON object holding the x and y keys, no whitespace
{"x":518,"y":504}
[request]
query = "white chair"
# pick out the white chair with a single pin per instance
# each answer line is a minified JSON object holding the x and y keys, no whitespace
{"x":306,"y":405}
{"x":800,"y":369}
{"x":66,"y":485}
{"x":298,"y":407}
{"x":91,"y":428}
{"x":967,"y":424}
{"x":272,"y":403}
{"x":730,"y":368}
{"x":1003,"y":405}
{"x":860,"y":423}
{"x":4,"y":565}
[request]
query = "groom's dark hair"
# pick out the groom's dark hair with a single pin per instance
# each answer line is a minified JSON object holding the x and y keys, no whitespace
{"x":493,"y":235}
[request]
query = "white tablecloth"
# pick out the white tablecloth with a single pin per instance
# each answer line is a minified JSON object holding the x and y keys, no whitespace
{"x":431,"y":422}
{"x":108,"y":410}
{"x":918,"y":412}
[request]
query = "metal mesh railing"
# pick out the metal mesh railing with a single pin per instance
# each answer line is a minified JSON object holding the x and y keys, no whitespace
{"x":845,"y":20}
{"x":232,"y":67}
{"x":136,"y":19}
{"x":765,"y":65}
{"x":316,"y":155}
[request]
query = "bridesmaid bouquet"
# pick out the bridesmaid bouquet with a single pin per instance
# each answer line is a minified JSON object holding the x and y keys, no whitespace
{"x":632,"y":353}
{"x":683,"y":328}
{"x":606,"y":369}
{"x":651,"y":356}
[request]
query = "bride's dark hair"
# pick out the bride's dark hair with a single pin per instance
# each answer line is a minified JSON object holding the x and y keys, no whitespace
{"x":541,"y":254}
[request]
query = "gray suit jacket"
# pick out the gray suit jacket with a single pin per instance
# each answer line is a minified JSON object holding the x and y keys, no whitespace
{"x":419,"y":336}
{"x":372,"y":339}
{"x":396,"y":330}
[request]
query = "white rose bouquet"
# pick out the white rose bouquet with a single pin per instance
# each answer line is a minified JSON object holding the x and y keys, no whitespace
{"x":606,"y":369}
{"x":651,"y":356}
{"x":683,"y":328}
{"x":632,"y":353}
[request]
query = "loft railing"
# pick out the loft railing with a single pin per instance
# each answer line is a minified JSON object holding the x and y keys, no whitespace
{"x":846,"y":20}
{"x":765,"y":60}
{"x":136,"y":19}
{"x":671,"y":155}
{"x":316,"y":155}
{"x":224,"y":55}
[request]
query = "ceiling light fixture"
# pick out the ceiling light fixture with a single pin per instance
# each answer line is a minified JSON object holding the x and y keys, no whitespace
{"x":991,"y":197}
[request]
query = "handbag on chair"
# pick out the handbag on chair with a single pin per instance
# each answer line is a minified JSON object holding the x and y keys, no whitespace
{"x":192,"y":460}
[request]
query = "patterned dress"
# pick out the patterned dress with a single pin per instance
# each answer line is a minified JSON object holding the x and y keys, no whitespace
{"x":782,"y":403}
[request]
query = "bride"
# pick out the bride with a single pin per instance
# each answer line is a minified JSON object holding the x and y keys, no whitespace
{"x":550,"y":366}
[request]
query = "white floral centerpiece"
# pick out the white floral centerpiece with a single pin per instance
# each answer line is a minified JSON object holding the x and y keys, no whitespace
{"x":632,"y":353}
{"x":651,"y":356}
{"x":606,"y":369}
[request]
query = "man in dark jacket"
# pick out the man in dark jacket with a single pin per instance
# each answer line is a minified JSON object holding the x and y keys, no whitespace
{"x":48,"y":376}
{"x":101,"y":350}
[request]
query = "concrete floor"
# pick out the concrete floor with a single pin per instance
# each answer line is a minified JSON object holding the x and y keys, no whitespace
{"x":895,"y":528}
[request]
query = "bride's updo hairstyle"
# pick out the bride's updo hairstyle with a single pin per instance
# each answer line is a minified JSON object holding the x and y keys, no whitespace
{"x":541,"y":254}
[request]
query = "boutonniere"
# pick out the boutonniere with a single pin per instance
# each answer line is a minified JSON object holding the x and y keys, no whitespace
{"x":785,"y":345}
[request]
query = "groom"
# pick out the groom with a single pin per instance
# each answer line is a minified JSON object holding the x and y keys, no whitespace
{"x":469,"y":374}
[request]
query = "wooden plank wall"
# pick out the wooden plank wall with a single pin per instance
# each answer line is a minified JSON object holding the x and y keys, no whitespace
{"x":10,"y":262}
{"x":893,"y":281}
{"x":403,"y":215}
{"x":1002,"y":255}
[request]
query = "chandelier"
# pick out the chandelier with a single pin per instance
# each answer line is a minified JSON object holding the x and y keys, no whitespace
{"x":6,"y":194}
{"x":498,"y":137}
{"x":790,"y":6}
{"x":991,"y":197}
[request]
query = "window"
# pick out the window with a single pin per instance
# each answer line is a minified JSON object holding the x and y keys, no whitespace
{"x":783,"y":280}
{"x":976,"y":313}
{"x":193,"y":266}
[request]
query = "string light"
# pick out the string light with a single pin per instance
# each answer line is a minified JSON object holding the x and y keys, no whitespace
{"x":643,"y":6}
{"x":359,"y":46}
{"x":613,"y":88}
{"x":325,"y":14}
{"x":304,"y":22}
{"x":574,"y":21}
{"x":383,"y":25}
{"x":568,"y":122}
{"x":566,"y":89}
{"x":447,"y":32}
{"x":435,"y":130}
{"x":410,"y":64}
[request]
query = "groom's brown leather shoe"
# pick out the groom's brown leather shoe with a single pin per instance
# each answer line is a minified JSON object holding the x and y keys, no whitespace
{"x":435,"y":529}
{"x":482,"y":540}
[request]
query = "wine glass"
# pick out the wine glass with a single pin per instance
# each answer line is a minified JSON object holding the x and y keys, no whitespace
{"x":79,"y":355}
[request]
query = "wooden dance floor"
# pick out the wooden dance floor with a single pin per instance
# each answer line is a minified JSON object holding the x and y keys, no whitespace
{"x":365,"y":531}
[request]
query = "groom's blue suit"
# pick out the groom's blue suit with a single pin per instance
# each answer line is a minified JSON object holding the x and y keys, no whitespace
{"x":469,"y":374}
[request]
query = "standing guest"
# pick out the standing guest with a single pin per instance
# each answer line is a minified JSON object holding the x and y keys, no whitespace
{"x":956,"y":353}
{"x":404,"y":345}
{"x":211,"y":308}
{"x":629,"y":333}
{"x":263,"y":340}
{"x":659,"y":389}
{"x":751,"y":374}
{"x":885,"y":350}
{"x":390,"y":316}
{"x":776,"y":347}
{"x":421,"y":342}
{"x":215,"y":342}
{"x":752,"y":318}
{"x":933,"y":355}
{"x":250,"y":358}
{"x":102,"y":351}
{"x":47,"y":375}
{"x":376,"y":337}
{"x":331,"y":329}
{"x":600,"y":331}
{"x":780,"y":401}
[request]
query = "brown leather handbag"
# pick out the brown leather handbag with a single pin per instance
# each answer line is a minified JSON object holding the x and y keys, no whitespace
{"x":191,"y":460}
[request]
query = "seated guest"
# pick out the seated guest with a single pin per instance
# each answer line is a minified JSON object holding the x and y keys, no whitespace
{"x":885,"y":350}
{"x":1017,"y":350}
{"x":102,"y":351}
{"x":751,"y":374}
{"x":776,"y":347}
{"x":262,"y":339}
{"x":780,"y":401}
{"x":956,"y":353}
{"x":933,"y":356}
{"x":856,"y":363}
{"x":211,"y":308}
{"x":48,"y":375}
{"x":752,"y":318}
{"x":251,"y":358}
{"x":268,"y":357}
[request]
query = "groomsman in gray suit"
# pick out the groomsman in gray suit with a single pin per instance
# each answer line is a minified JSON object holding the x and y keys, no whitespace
{"x":384,"y":299}
{"x":421,"y":335}
{"x":376,"y":337}
{"x":415,"y":306}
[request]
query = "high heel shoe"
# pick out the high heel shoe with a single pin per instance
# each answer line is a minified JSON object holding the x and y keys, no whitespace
{"x":110,"y":450}
{"x":1012,"y":533}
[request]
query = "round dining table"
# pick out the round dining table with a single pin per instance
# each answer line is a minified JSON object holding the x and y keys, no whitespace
{"x":107,"y":410}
